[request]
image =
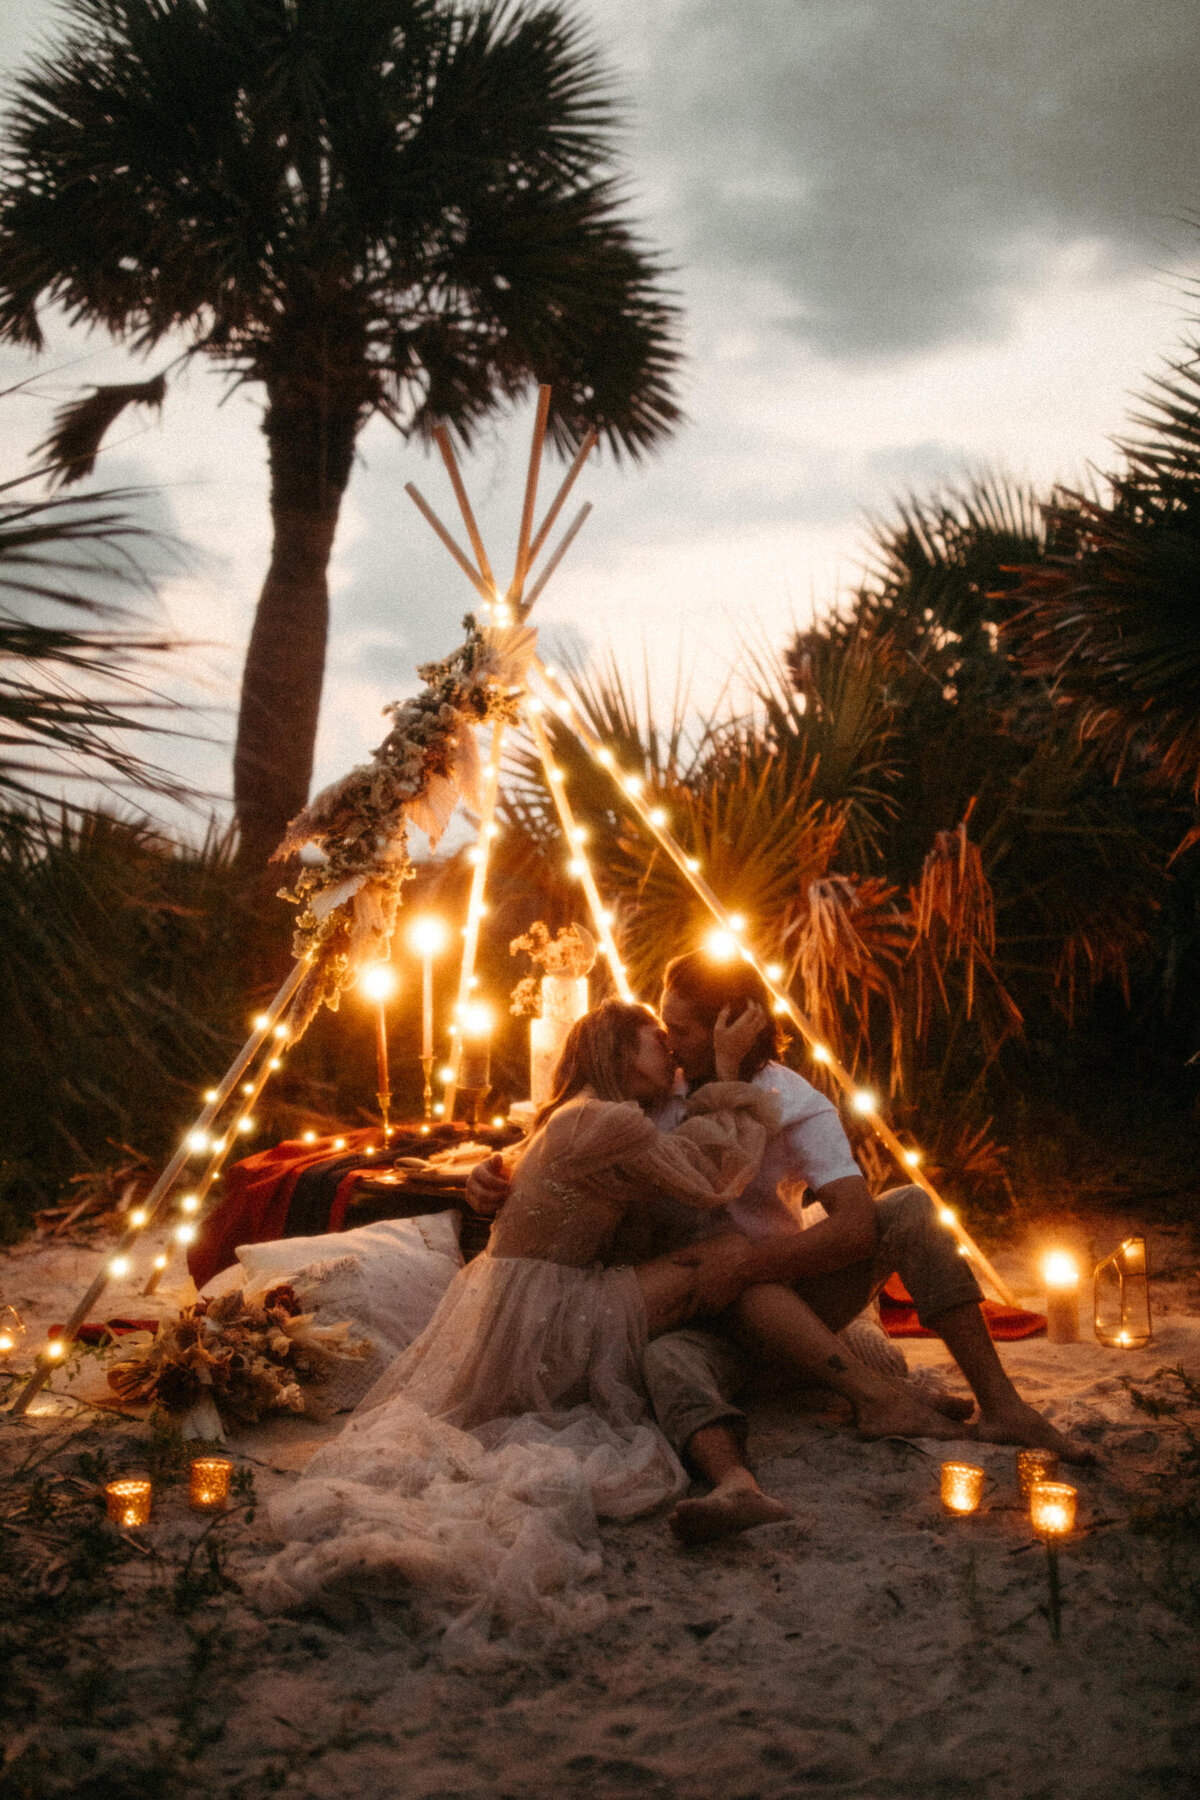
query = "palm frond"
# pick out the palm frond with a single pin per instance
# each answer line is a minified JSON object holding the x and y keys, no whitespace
{"x":71,"y":449}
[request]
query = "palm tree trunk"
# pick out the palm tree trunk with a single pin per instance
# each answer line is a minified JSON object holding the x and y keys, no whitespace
{"x":311,"y":450}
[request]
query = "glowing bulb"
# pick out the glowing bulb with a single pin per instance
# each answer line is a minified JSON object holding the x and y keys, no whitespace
{"x":339,"y":1143}
{"x":604,"y":757}
{"x":472,"y":981}
{"x":308,"y":1137}
{"x":576,"y":866}
{"x":137,"y":1217}
{"x":119,"y":1266}
{"x":736,"y":922}
{"x":1059,"y":1270}
{"x":492,"y":830}
{"x":6,"y":1343}
{"x":197,"y":1140}
{"x":475,"y":855}
{"x":865,"y":1101}
{"x":633,"y":784}
{"x":774,"y":971}
{"x":913,"y":1158}
{"x":185,"y":1234}
{"x":498,"y":1120}
{"x":428,"y":934}
{"x":779,"y":1007}
{"x":274,"y":1063}
{"x":947,"y":1217}
{"x":210,"y":1095}
{"x":247,"y":1124}
{"x":446,"y":1074}
{"x":189,"y":1203}
{"x":247,"y":1087}
{"x":721,"y":946}
{"x":692,"y":864}
{"x":657,"y":816}
{"x":555,"y":773}
{"x":533,"y":703}
{"x":370,"y":1150}
{"x":484,"y":909}
{"x":820,"y":1054}
{"x":579,"y":835}
{"x":55,"y":1348}
{"x":280,"y":1032}
{"x":261,"y":1021}
{"x":160,"y":1262}
{"x":438,"y":1108}
{"x":378,"y":981}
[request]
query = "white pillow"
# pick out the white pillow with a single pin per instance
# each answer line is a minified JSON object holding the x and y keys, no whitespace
{"x":384,"y":1279}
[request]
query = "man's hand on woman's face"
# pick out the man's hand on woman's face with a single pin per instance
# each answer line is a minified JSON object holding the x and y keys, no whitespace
{"x":731,"y":1042}
{"x":487,"y":1187}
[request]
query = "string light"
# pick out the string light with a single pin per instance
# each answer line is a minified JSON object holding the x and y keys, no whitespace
{"x":378,"y":981}
{"x":137,"y":1217}
{"x":438,"y":1108}
{"x":189,"y":1203}
{"x":185,"y":1234}
{"x":428,"y":934}
{"x":446,"y":1074}
{"x":210,"y":1095}
{"x":281,"y":1032}
{"x":946,"y":1216}
{"x":575,"y":866}
{"x":247,"y":1087}
{"x":821,"y":1054}
{"x":491,"y":830}
{"x":261,"y":1021}
{"x":339,"y":1143}
{"x":658,"y":816}
{"x":913,"y":1158}
{"x":474,"y":855}
{"x":737,"y":922}
{"x":721,"y":945}
{"x":498,"y":1121}
{"x":197,"y":1140}
{"x":308,"y":1137}
{"x":274,"y":1063}
{"x":605,"y":758}
{"x":692,"y":864}
{"x":55,"y":1348}
{"x":247,"y":1125}
{"x":119,"y":1266}
{"x":633,"y":784}
{"x":864,"y":1101}
{"x":160,"y":1263}
{"x":774,"y":971}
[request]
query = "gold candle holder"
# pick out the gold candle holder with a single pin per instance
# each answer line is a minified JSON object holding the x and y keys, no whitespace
{"x":962,"y":1487}
{"x":1035,"y":1465}
{"x":1052,"y":1509}
{"x":208,"y":1483}
{"x":127,"y":1501}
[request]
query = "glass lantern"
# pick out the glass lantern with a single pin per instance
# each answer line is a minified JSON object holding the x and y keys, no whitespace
{"x":1121,"y":1297}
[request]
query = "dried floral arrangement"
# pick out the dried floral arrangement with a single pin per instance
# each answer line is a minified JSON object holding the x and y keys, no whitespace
{"x":245,"y":1359}
{"x":571,"y":953}
{"x":358,"y":827}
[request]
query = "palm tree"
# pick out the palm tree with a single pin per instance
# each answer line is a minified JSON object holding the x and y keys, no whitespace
{"x":403,"y":207}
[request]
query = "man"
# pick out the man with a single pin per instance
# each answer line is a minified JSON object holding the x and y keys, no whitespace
{"x":834,"y":1266}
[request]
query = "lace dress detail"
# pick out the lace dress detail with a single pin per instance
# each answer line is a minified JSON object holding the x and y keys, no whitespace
{"x":471,"y":1477}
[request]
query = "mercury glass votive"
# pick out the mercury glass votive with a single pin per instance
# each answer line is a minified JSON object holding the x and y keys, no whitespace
{"x":962,"y":1487}
{"x":208,"y":1483}
{"x":1052,"y":1509}
{"x":1035,"y":1465}
{"x":128,"y":1501}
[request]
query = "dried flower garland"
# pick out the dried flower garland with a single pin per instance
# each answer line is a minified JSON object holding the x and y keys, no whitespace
{"x":248,"y":1360}
{"x":427,"y":763}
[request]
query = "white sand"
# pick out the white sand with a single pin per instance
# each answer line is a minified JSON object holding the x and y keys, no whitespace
{"x":873,"y":1648}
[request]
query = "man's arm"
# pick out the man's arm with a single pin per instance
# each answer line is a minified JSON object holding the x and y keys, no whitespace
{"x":848,"y":1235}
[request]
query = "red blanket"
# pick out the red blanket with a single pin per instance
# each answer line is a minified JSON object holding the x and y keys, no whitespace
{"x":898,"y":1316}
{"x":254,"y":1206}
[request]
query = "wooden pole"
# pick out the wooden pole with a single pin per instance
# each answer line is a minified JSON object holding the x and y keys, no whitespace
{"x":419,"y":501}
{"x":157,"y":1198}
{"x":475,"y":911}
{"x":442,"y":439}
{"x":548,"y":571}
{"x":783,"y":1002}
{"x":581,"y":455}
{"x":531,"y":487}
{"x":576,"y":851}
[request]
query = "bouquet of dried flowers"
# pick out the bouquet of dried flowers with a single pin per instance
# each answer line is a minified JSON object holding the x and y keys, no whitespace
{"x":245,"y":1359}
{"x":572,"y":954}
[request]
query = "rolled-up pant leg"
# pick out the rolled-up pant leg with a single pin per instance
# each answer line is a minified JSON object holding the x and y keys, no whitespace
{"x":913,"y":1244}
{"x":692,"y":1377}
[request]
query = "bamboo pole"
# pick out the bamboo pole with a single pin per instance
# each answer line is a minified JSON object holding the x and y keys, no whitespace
{"x":475,"y":909}
{"x":577,"y":852}
{"x":473,"y":576}
{"x":531,"y":487}
{"x":781,"y":999}
{"x":568,"y":539}
{"x":556,"y":505}
{"x":442,"y":439}
{"x":156,"y":1199}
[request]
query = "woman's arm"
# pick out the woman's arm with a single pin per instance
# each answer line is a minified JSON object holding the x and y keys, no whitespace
{"x":709,"y":1158}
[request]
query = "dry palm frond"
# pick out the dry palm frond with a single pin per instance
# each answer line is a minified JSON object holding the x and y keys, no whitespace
{"x":73,"y":445}
{"x":953,"y":922}
{"x":848,"y":952}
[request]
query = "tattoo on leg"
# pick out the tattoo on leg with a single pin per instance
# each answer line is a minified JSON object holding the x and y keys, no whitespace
{"x":835,"y":1362}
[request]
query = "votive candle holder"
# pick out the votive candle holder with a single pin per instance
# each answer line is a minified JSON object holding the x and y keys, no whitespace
{"x":127,"y":1501}
{"x":1035,"y":1465}
{"x":208,"y":1483}
{"x":962,"y":1487}
{"x":1052,"y":1509}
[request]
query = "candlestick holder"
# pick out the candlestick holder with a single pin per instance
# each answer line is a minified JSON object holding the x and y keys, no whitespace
{"x":1121,"y":1297}
{"x":127,"y":1501}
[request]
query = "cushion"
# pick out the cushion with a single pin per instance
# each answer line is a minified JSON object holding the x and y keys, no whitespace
{"x":384,"y":1280}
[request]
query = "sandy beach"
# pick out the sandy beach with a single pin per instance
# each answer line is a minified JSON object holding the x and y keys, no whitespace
{"x":872,"y":1647}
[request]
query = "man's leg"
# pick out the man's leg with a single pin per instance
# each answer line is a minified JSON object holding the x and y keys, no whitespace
{"x":916,"y":1246}
{"x":691,"y":1377}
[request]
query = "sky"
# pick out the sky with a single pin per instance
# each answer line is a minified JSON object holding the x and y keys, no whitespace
{"x":914,"y":239}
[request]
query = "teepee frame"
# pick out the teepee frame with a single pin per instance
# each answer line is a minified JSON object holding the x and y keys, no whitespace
{"x":262,"y":1052}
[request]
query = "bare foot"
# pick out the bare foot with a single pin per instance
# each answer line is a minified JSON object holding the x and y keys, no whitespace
{"x":903,"y":1415}
{"x":731,"y":1507}
{"x":951,"y":1406}
{"x":1022,"y":1424}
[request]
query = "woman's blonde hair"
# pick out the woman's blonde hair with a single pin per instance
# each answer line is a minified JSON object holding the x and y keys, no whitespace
{"x":598,"y":1054}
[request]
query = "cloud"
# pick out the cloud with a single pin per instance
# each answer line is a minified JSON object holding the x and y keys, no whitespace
{"x":902,"y":171}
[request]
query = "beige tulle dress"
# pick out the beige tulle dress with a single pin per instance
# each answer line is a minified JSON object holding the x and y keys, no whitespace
{"x":470,"y":1478}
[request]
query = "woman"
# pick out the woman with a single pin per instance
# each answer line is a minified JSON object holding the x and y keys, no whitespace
{"x":473,"y":1470}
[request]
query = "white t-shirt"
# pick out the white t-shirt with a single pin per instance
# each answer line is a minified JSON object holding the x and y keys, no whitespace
{"x":809,"y":1150}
